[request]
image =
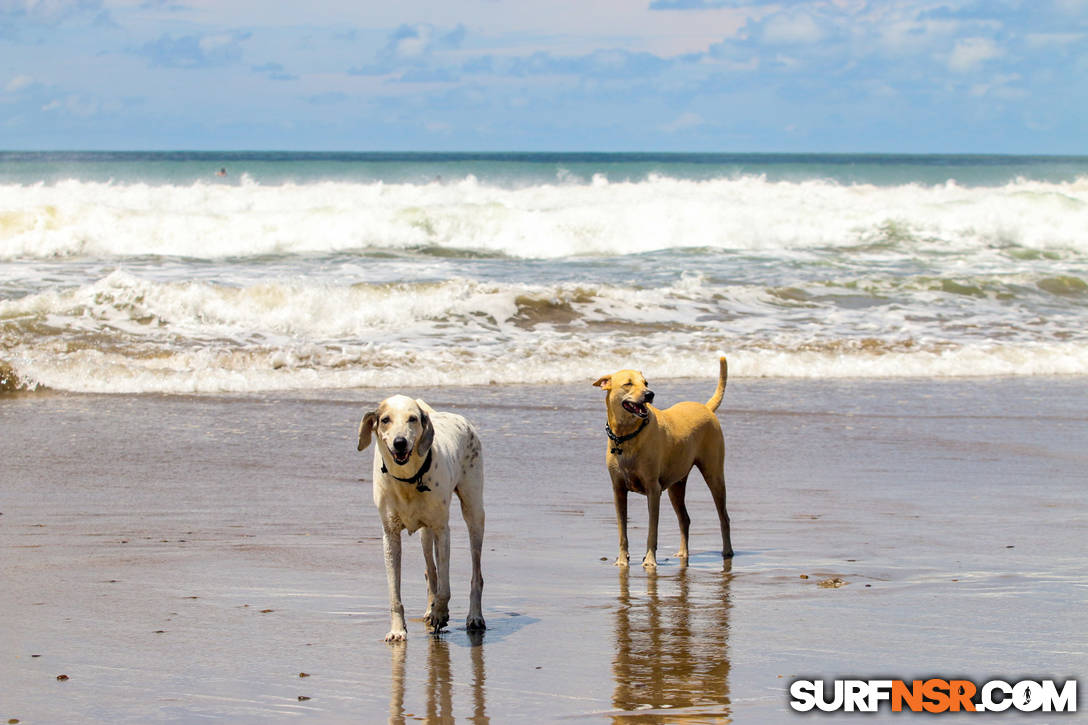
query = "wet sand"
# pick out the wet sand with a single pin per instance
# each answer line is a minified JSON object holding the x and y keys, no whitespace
{"x":183,"y":559}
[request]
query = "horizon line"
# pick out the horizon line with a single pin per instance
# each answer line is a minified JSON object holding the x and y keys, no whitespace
{"x":527,"y":153}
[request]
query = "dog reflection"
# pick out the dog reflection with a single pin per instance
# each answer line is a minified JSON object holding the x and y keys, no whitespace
{"x":438,"y":691}
{"x":672,"y":650}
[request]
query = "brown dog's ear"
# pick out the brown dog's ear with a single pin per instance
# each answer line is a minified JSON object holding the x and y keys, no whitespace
{"x":366,"y":429}
{"x":604,"y":383}
{"x":426,"y":438}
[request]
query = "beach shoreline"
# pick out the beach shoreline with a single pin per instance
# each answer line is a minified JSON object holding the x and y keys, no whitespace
{"x":180,"y":558}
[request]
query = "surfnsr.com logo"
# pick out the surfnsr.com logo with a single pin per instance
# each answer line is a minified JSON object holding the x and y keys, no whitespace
{"x":934,"y":695}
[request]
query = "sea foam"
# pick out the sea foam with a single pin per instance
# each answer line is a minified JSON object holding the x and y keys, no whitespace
{"x":133,"y":287}
{"x":211,"y":221}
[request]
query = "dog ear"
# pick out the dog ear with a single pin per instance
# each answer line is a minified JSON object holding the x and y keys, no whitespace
{"x":366,"y":428}
{"x":604,"y":383}
{"x":426,"y":438}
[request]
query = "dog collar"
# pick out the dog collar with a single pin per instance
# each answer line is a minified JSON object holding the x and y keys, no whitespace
{"x":416,"y":479}
{"x":617,"y":440}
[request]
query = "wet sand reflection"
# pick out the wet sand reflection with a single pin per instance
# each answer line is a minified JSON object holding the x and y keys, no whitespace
{"x":672,"y":653}
{"x":438,"y":689}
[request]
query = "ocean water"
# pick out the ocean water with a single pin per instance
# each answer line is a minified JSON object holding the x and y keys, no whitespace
{"x":147,"y":272}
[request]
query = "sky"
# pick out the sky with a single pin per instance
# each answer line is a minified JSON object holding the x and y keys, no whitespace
{"x":900,"y":76}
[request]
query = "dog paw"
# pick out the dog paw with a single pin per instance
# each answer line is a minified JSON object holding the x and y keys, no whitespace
{"x":475,"y":624}
{"x":436,"y":622}
{"x":649,"y":561}
{"x":682,"y":554}
{"x":396,"y":635}
{"x":623,"y":560}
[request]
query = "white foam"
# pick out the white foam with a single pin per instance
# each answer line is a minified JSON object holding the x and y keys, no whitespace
{"x":128,"y":333}
{"x":210,"y":221}
{"x":211,"y":370}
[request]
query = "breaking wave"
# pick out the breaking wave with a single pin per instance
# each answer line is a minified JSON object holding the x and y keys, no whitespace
{"x":568,"y":218}
{"x":127,"y":332}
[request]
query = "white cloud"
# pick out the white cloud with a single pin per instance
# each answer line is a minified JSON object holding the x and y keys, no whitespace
{"x":216,"y":43}
{"x":684,"y":122}
{"x":18,"y":83}
{"x":1050,"y":40}
{"x":48,"y":11}
{"x":412,"y":46}
{"x":74,"y":105}
{"x":437,"y":127}
{"x":796,"y":29}
{"x":906,"y":36}
{"x":1071,"y":7}
{"x":970,"y":53}
{"x":1002,"y":88}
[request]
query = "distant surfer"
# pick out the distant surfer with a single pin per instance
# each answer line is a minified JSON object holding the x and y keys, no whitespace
{"x":221,"y":172}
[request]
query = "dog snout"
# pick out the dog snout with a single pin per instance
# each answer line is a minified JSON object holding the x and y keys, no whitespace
{"x":648,"y":397}
{"x":400,"y":444}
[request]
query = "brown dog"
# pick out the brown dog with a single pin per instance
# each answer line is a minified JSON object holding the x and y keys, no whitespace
{"x":653,"y":450}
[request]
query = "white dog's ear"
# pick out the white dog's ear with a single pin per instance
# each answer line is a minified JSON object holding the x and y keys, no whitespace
{"x":604,"y":383}
{"x":366,"y":429}
{"x":426,"y":438}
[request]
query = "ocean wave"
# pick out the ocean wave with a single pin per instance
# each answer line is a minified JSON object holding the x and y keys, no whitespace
{"x":130,"y":332}
{"x":219,"y":370}
{"x":568,"y":218}
{"x":128,"y":307}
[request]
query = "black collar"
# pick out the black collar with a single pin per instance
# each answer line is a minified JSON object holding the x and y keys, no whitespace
{"x":623,"y":439}
{"x":416,"y":479}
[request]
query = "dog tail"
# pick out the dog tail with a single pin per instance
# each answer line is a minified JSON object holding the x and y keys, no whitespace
{"x":723,"y":375}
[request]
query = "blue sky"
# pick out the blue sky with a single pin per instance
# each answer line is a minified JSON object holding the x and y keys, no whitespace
{"x":996,"y":76}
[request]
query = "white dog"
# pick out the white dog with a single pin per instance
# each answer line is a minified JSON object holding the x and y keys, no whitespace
{"x":423,"y":458}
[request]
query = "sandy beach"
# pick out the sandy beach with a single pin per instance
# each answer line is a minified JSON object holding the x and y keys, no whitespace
{"x":218,"y":558}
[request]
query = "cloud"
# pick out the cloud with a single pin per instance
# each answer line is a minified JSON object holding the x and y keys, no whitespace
{"x":48,"y":12}
{"x":718,"y":4}
{"x":195,"y":51}
{"x":19,"y":83}
{"x":414,"y":41}
{"x":1071,"y":7}
{"x":686,"y":4}
{"x":604,"y":63}
{"x":663,"y":73}
{"x":274,"y":72}
{"x":1001,"y":88}
{"x":327,"y":99}
{"x":428,"y":75}
{"x":411,"y":46}
{"x":792,"y":29}
{"x":168,"y":5}
{"x":18,"y":15}
{"x":73,"y":104}
{"x":1043,"y":41}
{"x":684,"y":122}
{"x":970,"y":54}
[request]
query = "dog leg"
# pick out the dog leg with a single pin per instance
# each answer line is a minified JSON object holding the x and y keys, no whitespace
{"x":716,"y":482}
{"x":426,"y":539}
{"x":440,"y":613}
{"x":619,"y":493}
{"x":391,"y":545}
{"x":473,"y":512}
{"x":653,"y":507}
{"x":676,"y":495}
{"x":475,"y":619}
